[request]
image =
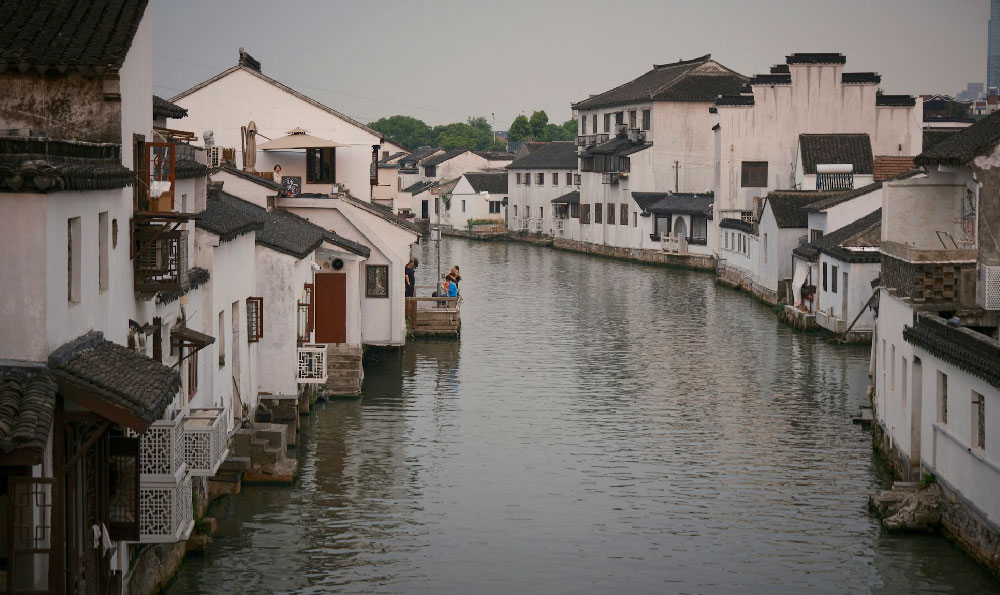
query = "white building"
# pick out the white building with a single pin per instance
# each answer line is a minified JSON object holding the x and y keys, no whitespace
{"x":228,"y":102}
{"x":478,"y":196}
{"x":758,"y":130}
{"x":935,"y":352}
{"x":541,"y":173}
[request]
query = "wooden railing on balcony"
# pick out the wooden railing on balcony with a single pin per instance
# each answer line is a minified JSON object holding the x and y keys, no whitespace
{"x":160,"y":258}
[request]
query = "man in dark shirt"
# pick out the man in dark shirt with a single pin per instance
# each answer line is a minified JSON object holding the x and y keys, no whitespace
{"x":411,"y":277}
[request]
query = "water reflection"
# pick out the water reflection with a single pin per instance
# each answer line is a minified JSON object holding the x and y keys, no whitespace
{"x":600,"y":427}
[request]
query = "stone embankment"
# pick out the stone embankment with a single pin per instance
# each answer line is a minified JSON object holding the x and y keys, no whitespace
{"x":909,"y":507}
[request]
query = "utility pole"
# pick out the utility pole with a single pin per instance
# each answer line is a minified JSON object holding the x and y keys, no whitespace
{"x":677,"y":169}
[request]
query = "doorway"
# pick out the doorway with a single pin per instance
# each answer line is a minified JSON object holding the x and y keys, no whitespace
{"x":331,"y":307}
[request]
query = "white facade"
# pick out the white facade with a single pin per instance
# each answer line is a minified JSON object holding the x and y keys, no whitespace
{"x":466,"y":204}
{"x":530,"y":202}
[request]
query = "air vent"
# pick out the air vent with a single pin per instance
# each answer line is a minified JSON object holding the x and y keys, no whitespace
{"x":989,"y":287}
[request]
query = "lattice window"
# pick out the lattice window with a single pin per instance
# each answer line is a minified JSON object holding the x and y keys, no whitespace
{"x":123,"y":488}
{"x":312,"y":365}
{"x":989,"y":287}
{"x":377,"y":277}
{"x":255,"y":319}
{"x":161,"y":448}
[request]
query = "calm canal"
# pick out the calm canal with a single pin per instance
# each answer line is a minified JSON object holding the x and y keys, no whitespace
{"x":601,"y":427}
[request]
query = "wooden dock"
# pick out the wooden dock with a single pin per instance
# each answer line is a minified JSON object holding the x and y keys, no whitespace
{"x":433,"y":316}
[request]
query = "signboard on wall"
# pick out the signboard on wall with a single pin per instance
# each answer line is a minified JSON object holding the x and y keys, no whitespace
{"x":291,"y":185}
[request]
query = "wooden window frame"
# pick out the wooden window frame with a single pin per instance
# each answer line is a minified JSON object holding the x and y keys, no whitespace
{"x":753,"y":174}
{"x":623,"y":217}
{"x":540,"y":179}
{"x":647,"y":119}
{"x":611,"y":213}
{"x":311,"y":174}
{"x":555,"y":178}
{"x":192,"y":374}
{"x":607,"y":122}
{"x":255,"y":319}
{"x":585,"y":214}
{"x":569,"y":178}
{"x":597,"y":212}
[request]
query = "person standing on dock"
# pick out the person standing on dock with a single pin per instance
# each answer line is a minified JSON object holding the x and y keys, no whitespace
{"x":411,"y":277}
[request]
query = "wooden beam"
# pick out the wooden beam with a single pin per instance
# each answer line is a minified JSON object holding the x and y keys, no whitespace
{"x":82,"y":396}
{"x":83,"y":449}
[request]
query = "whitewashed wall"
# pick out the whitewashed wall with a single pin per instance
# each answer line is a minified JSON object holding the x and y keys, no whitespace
{"x":535,"y":196}
{"x":280,"y":279}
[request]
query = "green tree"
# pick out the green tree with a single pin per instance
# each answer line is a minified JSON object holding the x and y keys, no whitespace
{"x":537,"y":122}
{"x":404,"y":130}
{"x":520,"y":129}
{"x":569,"y":129}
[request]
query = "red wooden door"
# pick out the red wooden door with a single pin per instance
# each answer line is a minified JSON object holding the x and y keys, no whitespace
{"x":331,"y":308}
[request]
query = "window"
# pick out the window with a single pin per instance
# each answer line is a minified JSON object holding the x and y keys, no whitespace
{"x":255,"y":319}
{"x":593,"y":122}
{"x":584,"y":214}
{"x":646,"y":119}
{"x":576,"y":179}
{"x":160,"y":161}
{"x":623,"y":219}
{"x":611,"y":214}
{"x":583,"y":125}
{"x":635,"y":219}
{"x":574,"y":210}
{"x":607,"y":122}
{"x":73,"y":255}
{"x":555,"y":179}
{"x":377,"y":281}
{"x":903,"y":381}
{"x":753,"y":174}
{"x":527,"y":211}
{"x":495,"y":206}
{"x":597,"y":213}
{"x":540,"y":179}
{"x":518,"y":176}
{"x":192,"y":374}
{"x":942,"y":392}
{"x":123,"y":488}
{"x":515,"y":210}
{"x":430,"y":171}
{"x":892,"y":368}
{"x":726,"y":240}
{"x":824,"y":276}
{"x":463,"y":205}
{"x":833,"y":280}
{"x":978,"y":420}
{"x":815,"y":235}
{"x":102,"y":251}
{"x":631,"y":119}
{"x":619,"y":118}
{"x":527,"y":179}
{"x":541,"y":212}
{"x":569,"y":178}
{"x":222,"y":338}
{"x":319,"y":166}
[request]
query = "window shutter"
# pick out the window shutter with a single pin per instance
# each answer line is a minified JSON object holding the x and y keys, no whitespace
{"x":123,"y":488}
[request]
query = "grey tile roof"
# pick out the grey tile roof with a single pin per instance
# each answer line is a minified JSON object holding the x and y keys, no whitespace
{"x":117,"y":375}
{"x":961,"y":347}
{"x":225,"y":219}
{"x":27,"y":400}
{"x":164,"y":109}
{"x":895,"y":100}
{"x":33,"y":164}
{"x":855,"y":149}
{"x":382,"y":212}
{"x":963,"y":146}
{"x":780,"y":68}
{"x":197,"y":277}
{"x":617,"y":146}
{"x":737,"y":224}
{"x":495,"y":155}
{"x":231,"y":169}
{"x":734,"y":100}
{"x":772,"y":79}
{"x":278,"y":229}
{"x":414,"y":158}
{"x":816,"y":58}
{"x":787,"y":207}
{"x":681,"y":204}
{"x":933,"y":136}
{"x":346,"y":244}
{"x":418,"y":187}
{"x":835,"y":243}
{"x":185,"y":169}
{"x":568,"y":198}
{"x":492,"y":182}
{"x":854,"y":78}
{"x":90,"y":37}
{"x":392,"y":157}
{"x":553,"y":155}
{"x":826,"y":199}
{"x":678,"y":81}
{"x":446,"y":156}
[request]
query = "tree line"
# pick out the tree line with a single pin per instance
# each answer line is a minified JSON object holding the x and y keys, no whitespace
{"x":475,"y":133}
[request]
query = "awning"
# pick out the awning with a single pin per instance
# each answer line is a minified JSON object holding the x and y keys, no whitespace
{"x":566,"y":199}
{"x":298,"y":139}
{"x":113,"y":381}
{"x":182,"y":336}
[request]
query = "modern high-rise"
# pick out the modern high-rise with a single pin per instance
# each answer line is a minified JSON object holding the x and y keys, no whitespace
{"x":993,"y":49}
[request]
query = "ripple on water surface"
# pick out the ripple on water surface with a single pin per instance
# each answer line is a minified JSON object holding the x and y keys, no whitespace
{"x":600,"y":427}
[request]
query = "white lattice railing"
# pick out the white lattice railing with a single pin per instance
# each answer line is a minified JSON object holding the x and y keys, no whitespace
{"x":312,"y":364}
{"x":161,"y":450}
{"x":205,"y":443}
{"x":166,"y":514}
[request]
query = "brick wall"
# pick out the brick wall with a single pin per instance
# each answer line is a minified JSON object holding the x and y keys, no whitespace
{"x":933,"y":283}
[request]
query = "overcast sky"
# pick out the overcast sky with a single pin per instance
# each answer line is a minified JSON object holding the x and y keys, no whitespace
{"x":443,"y":61}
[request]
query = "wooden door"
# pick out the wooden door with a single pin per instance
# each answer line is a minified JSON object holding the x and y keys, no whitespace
{"x":331,"y":308}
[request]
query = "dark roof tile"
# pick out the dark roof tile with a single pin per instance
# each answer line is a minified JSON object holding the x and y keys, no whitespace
{"x":734,"y":100}
{"x":860,"y":78}
{"x":855,"y":149}
{"x":27,"y":401}
{"x":568,"y":198}
{"x":382,"y":212}
{"x":231,"y":169}
{"x":933,"y":136}
{"x":446,"y":156}
{"x":682,"y":203}
{"x":771,"y":79}
{"x":553,"y":155}
{"x":33,"y":164}
{"x":164,"y":109}
{"x":837,"y":242}
{"x":816,"y":58}
{"x":737,"y":224}
{"x":492,"y":182}
{"x":963,"y":146}
{"x":787,"y":207}
{"x":963,"y":348}
{"x":895,"y":100}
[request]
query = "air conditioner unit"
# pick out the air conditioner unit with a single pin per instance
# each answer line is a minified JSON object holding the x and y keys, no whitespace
{"x":989,"y":287}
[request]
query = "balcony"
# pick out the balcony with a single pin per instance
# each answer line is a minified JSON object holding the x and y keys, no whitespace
{"x":165,"y":510}
{"x":609,"y":178}
{"x":312,"y":364}
{"x":160,"y":258}
{"x":935,"y":279}
{"x":559,"y":224}
{"x":205,"y":440}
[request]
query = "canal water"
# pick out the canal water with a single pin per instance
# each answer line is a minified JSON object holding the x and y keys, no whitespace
{"x":601,"y":427}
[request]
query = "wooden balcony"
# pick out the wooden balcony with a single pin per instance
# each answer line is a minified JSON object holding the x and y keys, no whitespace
{"x":433,"y":316}
{"x":159,"y":258}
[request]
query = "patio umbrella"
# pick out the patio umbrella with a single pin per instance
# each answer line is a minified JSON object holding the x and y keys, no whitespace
{"x":251,"y":150}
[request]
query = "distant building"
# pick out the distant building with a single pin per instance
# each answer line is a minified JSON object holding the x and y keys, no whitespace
{"x":971,"y":93}
{"x":993,"y":46}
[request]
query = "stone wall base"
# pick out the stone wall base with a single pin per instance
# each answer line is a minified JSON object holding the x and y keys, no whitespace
{"x":685,"y":261}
